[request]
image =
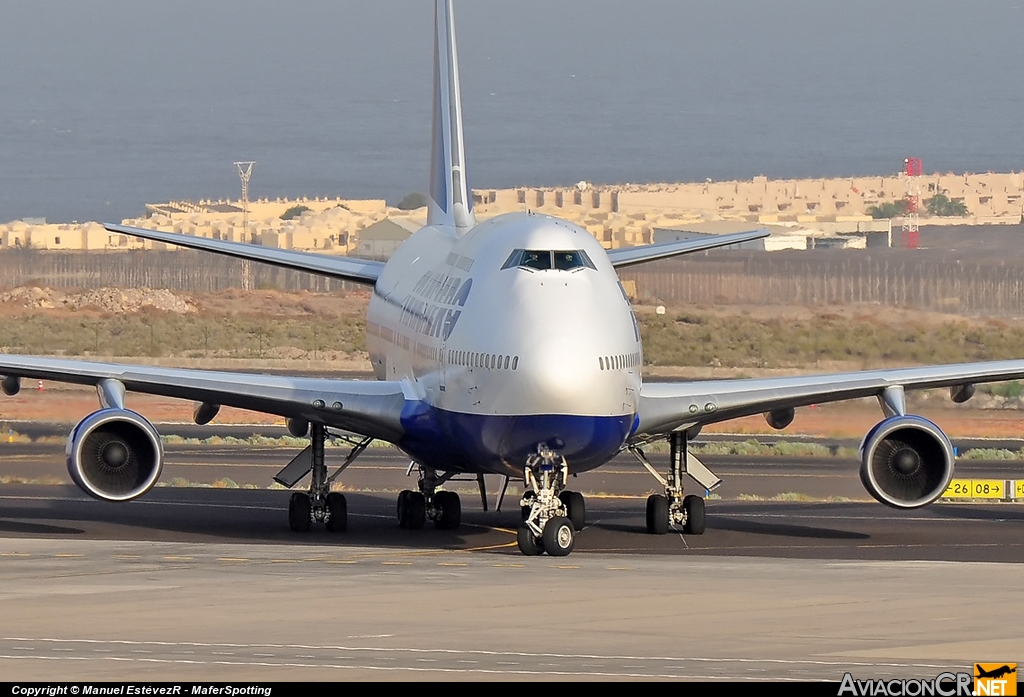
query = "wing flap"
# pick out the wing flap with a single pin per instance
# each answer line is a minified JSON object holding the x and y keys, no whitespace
{"x":370,"y":407}
{"x":627,"y":256}
{"x":666,"y":406}
{"x":345,"y":268}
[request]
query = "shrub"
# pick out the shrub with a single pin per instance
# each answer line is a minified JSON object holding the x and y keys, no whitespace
{"x":412,"y":201}
{"x":294,"y":212}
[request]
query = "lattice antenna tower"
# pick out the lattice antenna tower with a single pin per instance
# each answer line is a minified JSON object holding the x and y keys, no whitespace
{"x":245,"y":173}
{"x":912,"y":199}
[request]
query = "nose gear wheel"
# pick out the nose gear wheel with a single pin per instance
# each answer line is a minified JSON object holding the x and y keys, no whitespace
{"x":551,"y":515}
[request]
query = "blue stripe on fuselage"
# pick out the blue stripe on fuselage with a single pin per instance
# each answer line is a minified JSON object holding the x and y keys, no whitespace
{"x":447,"y":440}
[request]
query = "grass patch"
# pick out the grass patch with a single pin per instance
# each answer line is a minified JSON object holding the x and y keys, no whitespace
{"x":46,"y":481}
{"x":167,"y":334}
{"x":792,"y":496}
{"x":753,"y":448}
{"x":701,"y":339}
{"x":991,"y":454}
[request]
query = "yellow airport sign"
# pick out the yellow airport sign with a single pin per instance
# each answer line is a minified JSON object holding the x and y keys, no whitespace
{"x":1018,"y":489}
{"x":988,"y":489}
{"x":958,"y":489}
{"x":981,"y":489}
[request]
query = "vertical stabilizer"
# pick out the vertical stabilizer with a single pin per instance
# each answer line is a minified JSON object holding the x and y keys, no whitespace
{"x":451,"y":204}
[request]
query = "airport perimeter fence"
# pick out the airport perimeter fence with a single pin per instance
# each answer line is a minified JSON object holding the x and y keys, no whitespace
{"x":923,"y":281}
{"x":186,"y":271}
{"x":915,"y":279}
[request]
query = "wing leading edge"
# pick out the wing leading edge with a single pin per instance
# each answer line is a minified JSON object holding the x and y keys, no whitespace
{"x":627,"y":256}
{"x":362,"y":271}
{"x":370,"y":407}
{"x":667,"y":406}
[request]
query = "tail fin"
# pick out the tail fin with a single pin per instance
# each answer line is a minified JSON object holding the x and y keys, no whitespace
{"x":451,"y":203}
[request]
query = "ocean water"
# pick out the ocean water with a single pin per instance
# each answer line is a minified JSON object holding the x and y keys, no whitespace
{"x":108,"y":104}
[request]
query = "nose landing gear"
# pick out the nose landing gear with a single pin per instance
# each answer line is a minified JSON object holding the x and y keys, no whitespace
{"x":551,"y":515}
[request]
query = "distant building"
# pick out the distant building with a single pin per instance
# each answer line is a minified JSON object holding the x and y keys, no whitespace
{"x":853,"y":234}
{"x":380,"y":240}
{"x":782,"y":237}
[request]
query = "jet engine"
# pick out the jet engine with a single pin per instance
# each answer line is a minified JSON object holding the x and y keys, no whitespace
{"x":906,"y":462}
{"x":115,"y":455}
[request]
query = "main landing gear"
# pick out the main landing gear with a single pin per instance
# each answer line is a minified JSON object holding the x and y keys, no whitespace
{"x":551,"y":515}
{"x":685,"y":512}
{"x":442,"y":507}
{"x":320,"y":505}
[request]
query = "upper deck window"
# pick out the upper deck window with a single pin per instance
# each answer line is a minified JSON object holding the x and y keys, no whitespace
{"x":544,"y":260}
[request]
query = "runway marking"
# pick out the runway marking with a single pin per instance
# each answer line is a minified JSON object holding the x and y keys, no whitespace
{"x":566,"y":567}
{"x":619,"y":568}
{"x":484,"y":548}
{"x":69,"y":556}
{"x":168,"y":558}
{"x":341,"y":561}
{"x":451,"y":563}
{"x":231,"y":559}
{"x":15,"y":554}
{"x":127,"y":556}
{"x":467,"y":652}
{"x":413,"y":669}
{"x":508,"y":566}
{"x":396,"y":563}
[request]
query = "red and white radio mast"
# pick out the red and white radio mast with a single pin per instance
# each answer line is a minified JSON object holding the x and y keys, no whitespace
{"x":912,"y":201}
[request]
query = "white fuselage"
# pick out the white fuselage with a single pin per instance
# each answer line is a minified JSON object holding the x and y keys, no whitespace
{"x":502,"y":359}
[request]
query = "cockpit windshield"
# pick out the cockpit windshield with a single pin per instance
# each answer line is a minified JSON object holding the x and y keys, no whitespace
{"x":544,"y":260}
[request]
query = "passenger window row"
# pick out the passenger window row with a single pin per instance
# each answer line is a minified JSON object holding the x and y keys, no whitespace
{"x":490,"y":361}
{"x":620,"y":361}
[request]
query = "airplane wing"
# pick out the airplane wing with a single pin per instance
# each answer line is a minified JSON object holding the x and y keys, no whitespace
{"x":627,"y":256}
{"x":345,"y":268}
{"x":668,"y":406}
{"x":370,"y":407}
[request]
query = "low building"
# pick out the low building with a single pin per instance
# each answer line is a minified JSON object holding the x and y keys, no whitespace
{"x":380,"y":240}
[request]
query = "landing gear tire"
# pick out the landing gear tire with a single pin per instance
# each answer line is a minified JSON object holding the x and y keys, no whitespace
{"x":412,"y":510}
{"x":299,"y":513}
{"x":559,"y":536}
{"x":337,"y":507}
{"x":576,"y":507}
{"x":529,"y":544}
{"x":657,"y":514}
{"x":694,"y":509}
{"x":449,"y":510}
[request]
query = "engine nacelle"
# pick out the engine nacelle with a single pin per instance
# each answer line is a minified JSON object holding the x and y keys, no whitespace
{"x":115,"y":455}
{"x":906,"y":462}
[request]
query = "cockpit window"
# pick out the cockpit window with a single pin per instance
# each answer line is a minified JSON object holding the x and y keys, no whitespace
{"x":536,"y":260}
{"x":543,"y":260}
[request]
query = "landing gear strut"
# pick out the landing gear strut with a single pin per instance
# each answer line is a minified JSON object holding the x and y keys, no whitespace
{"x":320,"y":505}
{"x":551,"y":515}
{"x":685,"y":512}
{"x":442,"y":507}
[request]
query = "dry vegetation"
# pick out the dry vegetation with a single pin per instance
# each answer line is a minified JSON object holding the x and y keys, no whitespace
{"x":854,"y":337}
{"x":326,"y":326}
{"x":235,"y":324}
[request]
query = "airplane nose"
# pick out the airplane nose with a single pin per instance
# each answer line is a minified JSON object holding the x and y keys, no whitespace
{"x":558,"y":374}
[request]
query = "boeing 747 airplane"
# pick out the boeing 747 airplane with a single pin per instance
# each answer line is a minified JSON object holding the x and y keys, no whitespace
{"x":502,"y":347}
